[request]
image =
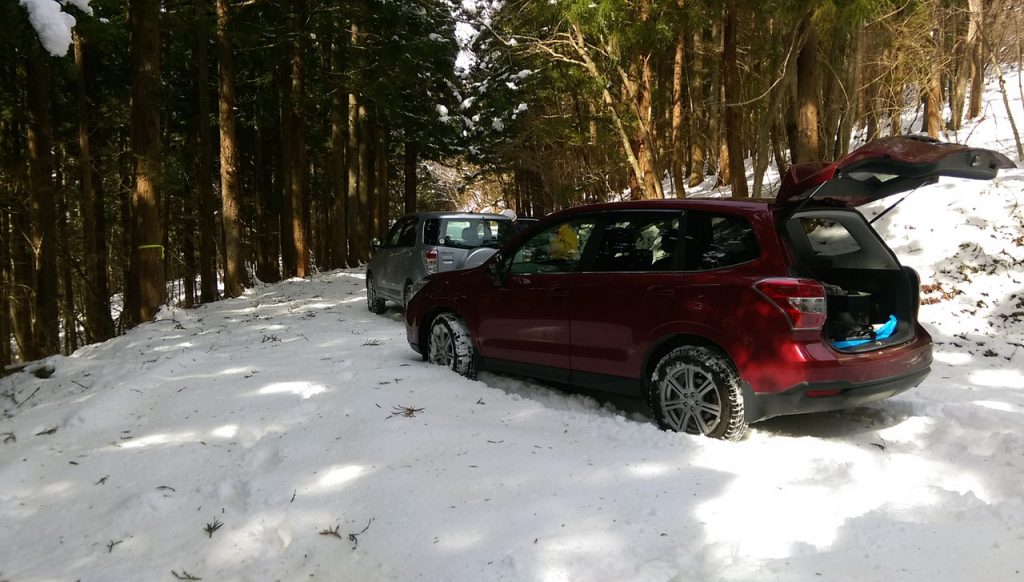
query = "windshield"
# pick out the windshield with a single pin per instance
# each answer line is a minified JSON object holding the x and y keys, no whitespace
{"x":470,"y":233}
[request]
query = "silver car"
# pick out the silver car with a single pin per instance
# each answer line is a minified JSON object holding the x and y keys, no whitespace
{"x":429,"y":242}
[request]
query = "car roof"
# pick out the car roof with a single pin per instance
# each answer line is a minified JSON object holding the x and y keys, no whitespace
{"x":730,"y":205}
{"x":444,"y":214}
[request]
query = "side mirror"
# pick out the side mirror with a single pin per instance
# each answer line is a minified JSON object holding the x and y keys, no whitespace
{"x":375,"y":242}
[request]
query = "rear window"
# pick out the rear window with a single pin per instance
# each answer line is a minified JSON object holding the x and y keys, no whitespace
{"x":838,"y":239}
{"x":469,"y":233}
{"x":828,"y":238}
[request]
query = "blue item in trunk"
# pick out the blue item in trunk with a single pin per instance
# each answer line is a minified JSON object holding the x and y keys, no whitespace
{"x":882,"y":331}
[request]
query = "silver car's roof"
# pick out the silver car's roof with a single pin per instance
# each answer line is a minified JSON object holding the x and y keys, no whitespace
{"x":443,"y":214}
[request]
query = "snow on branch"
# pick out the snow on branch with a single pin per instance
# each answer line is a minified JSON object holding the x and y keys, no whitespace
{"x":52,"y":24}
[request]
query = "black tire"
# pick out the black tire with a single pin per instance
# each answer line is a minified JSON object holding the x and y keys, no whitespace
{"x":373,"y":303}
{"x":406,"y":294}
{"x":449,"y":344}
{"x":696,"y":390}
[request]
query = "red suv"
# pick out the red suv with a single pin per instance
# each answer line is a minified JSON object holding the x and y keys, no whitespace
{"x":721,"y":312}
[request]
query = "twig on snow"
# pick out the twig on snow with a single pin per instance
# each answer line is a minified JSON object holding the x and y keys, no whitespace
{"x":406,"y":411}
{"x":354,"y":537}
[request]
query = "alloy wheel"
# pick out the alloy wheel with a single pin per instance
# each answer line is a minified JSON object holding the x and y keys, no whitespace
{"x":691,"y":401}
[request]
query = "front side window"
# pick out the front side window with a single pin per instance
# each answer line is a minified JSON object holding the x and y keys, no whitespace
{"x":407,"y":236}
{"x":715,"y":241}
{"x":643,"y":242}
{"x":556,"y":249}
{"x":395,"y":234}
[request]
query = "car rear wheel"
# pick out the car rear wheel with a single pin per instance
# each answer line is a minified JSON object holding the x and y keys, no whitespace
{"x":406,"y":294}
{"x":373,"y":303}
{"x":450,"y":345}
{"x":696,"y":390}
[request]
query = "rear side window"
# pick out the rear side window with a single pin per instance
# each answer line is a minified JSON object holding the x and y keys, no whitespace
{"x":470,"y":233}
{"x":643,"y":242}
{"x":716,"y":241}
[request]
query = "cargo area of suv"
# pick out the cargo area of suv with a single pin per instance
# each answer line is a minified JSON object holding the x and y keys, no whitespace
{"x":871,"y":301}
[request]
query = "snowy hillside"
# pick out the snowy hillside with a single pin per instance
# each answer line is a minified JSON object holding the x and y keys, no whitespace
{"x":292,"y":435}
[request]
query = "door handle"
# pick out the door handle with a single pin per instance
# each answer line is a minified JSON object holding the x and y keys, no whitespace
{"x":658,"y":291}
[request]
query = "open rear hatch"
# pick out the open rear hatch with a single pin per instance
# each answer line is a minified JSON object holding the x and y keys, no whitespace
{"x":885,"y":167}
{"x":871,"y":299}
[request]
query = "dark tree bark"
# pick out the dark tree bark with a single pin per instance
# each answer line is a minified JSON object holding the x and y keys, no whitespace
{"x":976,"y":49}
{"x":267,"y":210}
{"x":339,"y":177}
{"x":733,"y":111}
{"x":698,"y":116}
{"x":678,"y":63}
{"x":99,"y":326}
{"x":363,"y":194}
{"x":380,"y":182}
{"x":21,"y":291}
{"x":410,"y":164}
{"x":807,"y":144}
{"x":206,"y":209}
{"x":68,"y":313}
{"x":713,"y":145}
{"x":961,"y":67}
{"x":46,"y":324}
{"x":148,"y":251}
{"x":236,"y":279}
{"x":299,"y":173}
{"x":933,"y":101}
{"x":288,"y":257}
{"x":7,"y":277}
{"x":356,"y":222}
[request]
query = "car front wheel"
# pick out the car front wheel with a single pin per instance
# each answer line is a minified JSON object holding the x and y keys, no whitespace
{"x":696,"y":390}
{"x":450,"y":345}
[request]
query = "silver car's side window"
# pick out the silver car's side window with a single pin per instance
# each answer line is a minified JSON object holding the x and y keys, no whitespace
{"x":553,"y":250}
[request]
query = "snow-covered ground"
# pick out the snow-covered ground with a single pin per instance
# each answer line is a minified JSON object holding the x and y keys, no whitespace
{"x":292,"y":435}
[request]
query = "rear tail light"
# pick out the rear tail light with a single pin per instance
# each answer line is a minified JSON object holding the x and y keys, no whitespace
{"x":430,"y":260}
{"x":802,"y":300}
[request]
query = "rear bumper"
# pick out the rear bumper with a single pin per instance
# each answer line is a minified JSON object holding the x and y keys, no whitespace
{"x":825,"y":396}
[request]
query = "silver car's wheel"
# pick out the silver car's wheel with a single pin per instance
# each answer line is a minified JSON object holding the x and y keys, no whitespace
{"x":373,"y":303}
{"x":450,"y":345}
{"x":406,"y":295}
{"x":696,"y":390}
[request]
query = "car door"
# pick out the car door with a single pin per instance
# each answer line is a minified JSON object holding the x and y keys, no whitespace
{"x":391,"y":257}
{"x":626,"y":290}
{"x":524,"y":326}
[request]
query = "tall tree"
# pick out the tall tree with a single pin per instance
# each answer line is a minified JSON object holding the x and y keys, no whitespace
{"x":206,"y":209}
{"x":339,"y":179}
{"x":46,"y":324}
{"x":733,"y":108}
{"x":299,"y":172}
{"x":148,"y":235}
{"x":98,"y":324}
{"x":236,"y":279}
{"x":806,"y":142}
